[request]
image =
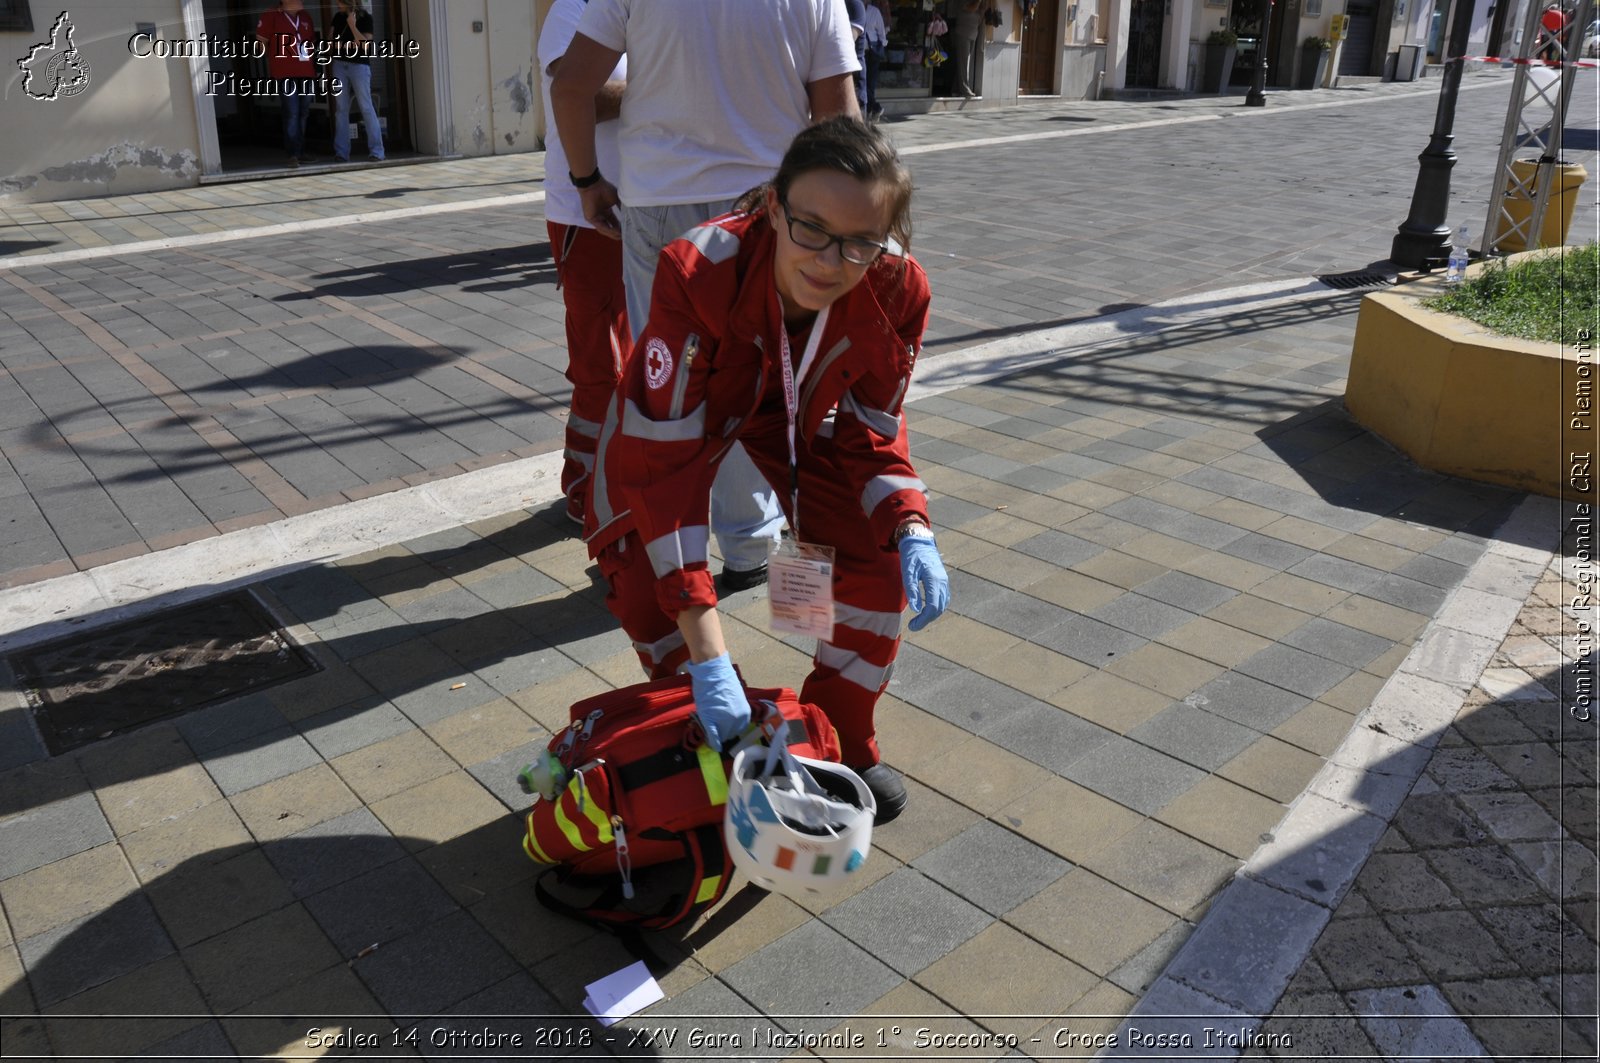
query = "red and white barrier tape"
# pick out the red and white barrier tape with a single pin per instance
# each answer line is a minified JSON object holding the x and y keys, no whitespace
{"x":1587,"y":64}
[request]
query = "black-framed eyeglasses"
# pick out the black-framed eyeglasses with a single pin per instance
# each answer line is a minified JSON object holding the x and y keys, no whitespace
{"x":853,"y":249}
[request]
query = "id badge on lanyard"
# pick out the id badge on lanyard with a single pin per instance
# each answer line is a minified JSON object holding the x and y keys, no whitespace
{"x":799,"y":574}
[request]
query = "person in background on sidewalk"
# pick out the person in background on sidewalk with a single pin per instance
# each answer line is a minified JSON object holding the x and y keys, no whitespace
{"x":856,"y":12}
{"x":289,"y":34}
{"x":964,"y":29}
{"x":877,"y":40}
{"x":791,"y":325}
{"x":352,"y":28}
{"x":588,"y":263}
{"x":718,"y":89}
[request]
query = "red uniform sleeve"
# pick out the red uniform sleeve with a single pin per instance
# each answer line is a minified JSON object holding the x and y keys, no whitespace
{"x":664,"y":458}
{"x":870,"y":438}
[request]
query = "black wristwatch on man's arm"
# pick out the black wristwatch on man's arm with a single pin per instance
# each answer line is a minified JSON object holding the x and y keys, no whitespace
{"x":585,"y":182}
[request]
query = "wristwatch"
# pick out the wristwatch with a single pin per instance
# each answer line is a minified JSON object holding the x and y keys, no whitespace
{"x":912,"y":528}
{"x":585,"y":182}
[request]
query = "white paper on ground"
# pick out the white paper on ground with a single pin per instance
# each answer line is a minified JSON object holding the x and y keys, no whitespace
{"x":622,"y":993}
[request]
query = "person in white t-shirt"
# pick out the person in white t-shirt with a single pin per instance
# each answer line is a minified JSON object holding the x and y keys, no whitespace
{"x":588,"y":263}
{"x":717,"y":90}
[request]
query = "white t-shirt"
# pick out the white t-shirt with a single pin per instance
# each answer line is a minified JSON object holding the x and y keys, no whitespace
{"x":716,"y":88}
{"x":561,"y":202}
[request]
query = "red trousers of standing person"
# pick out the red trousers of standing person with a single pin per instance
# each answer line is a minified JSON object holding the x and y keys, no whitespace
{"x":589,"y":273}
{"x":849,"y":670}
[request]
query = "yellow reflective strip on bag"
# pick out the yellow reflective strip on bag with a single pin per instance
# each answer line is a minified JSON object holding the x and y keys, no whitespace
{"x":708,"y":889}
{"x":570,"y":829}
{"x":716,"y":778}
{"x":602,"y":823}
{"x":531,"y":847}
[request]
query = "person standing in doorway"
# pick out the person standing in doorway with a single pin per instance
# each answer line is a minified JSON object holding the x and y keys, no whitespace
{"x":716,"y":91}
{"x":964,"y":46}
{"x":588,"y":263}
{"x":352,"y":28}
{"x":289,"y":34}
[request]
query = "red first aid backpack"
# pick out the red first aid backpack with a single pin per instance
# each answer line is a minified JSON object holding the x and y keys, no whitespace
{"x":633,"y":835}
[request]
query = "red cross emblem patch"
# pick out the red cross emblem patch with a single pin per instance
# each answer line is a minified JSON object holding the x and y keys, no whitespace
{"x":657,"y":363}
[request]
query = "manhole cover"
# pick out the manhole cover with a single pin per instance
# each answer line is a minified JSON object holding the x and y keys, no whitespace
{"x":114,"y":679}
{"x":1357,"y":279}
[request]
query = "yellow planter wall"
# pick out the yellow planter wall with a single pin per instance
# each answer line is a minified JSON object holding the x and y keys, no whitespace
{"x":1459,"y":399}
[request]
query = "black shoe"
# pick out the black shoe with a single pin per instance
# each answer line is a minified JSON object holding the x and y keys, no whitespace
{"x":887,"y":790}
{"x":734,"y":580}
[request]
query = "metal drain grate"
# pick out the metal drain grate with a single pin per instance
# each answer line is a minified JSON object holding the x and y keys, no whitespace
{"x":1357,"y":279}
{"x":115,"y":679}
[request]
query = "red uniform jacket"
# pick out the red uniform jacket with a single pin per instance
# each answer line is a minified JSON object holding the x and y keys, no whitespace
{"x":706,"y":372}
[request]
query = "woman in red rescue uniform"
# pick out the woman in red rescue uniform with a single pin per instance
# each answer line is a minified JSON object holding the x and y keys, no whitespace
{"x":804,"y":268}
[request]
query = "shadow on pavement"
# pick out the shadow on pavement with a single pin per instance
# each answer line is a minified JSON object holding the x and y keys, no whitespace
{"x":393,"y":943}
{"x":490,"y":270}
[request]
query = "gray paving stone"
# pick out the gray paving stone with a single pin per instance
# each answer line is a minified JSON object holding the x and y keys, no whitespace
{"x":1242,"y":699}
{"x":1265,"y":550}
{"x":334,"y":851}
{"x":51,"y":832}
{"x":379,"y":906}
{"x":766,"y":977}
{"x":219,"y":726}
{"x":428,"y":704}
{"x":1141,"y":971}
{"x":1414,"y":1021}
{"x":907,"y":920}
{"x":1194,"y":736}
{"x":1186,"y":591}
{"x":1406,"y":593}
{"x":1018,"y":614}
{"x":973,"y":701}
{"x":1090,"y":641}
{"x":1339,"y":573}
{"x":94,"y":949}
{"x":1135,"y":775}
{"x":352,"y":727}
{"x":498,"y":774}
{"x":1249,"y":945}
{"x":261,"y":759}
{"x":1337,"y":642}
{"x":1141,"y":615}
{"x":1178,"y":523}
{"x":1050,"y":737}
{"x":429,"y":970}
{"x":969,"y":862}
{"x":1296,"y":670}
{"x":1058,"y":548}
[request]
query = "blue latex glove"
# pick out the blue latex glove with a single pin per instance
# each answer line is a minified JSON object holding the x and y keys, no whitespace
{"x":927,"y":585}
{"x":719,"y":700}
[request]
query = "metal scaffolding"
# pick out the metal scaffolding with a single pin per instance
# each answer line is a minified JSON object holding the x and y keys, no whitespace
{"x":1541,"y":88}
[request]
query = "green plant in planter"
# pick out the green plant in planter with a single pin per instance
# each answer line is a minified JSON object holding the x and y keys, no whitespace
{"x":1548,"y":297}
{"x":1223,"y":37}
{"x":1321,"y":44}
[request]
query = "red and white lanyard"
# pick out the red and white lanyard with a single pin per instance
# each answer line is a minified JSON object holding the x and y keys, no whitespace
{"x":791,"y":402}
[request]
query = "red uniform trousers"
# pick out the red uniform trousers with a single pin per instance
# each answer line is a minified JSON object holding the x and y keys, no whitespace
{"x":589,"y":271}
{"x":850,"y":670}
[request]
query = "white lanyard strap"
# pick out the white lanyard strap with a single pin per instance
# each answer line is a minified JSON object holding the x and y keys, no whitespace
{"x":791,"y":402}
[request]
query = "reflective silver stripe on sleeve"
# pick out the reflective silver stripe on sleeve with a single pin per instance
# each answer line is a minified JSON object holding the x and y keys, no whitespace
{"x":586,"y":460}
{"x":678,"y":550}
{"x":587,"y":429}
{"x":601,"y":502}
{"x":659,"y":649}
{"x":849,"y":664}
{"x":680,"y":385}
{"x":714,"y":242}
{"x":885,"y":425}
{"x":900,"y":393}
{"x":881,"y":487}
{"x":885,"y":624}
{"x":638,"y":425}
{"x":825,"y":429}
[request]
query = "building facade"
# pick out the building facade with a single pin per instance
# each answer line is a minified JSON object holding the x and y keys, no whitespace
{"x":108,"y":97}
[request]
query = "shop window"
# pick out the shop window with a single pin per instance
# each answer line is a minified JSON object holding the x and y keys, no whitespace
{"x":15,"y":17}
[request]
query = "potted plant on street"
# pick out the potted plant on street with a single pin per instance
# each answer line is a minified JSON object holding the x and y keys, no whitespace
{"x":1313,"y":61}
{"x":1221,"y":46}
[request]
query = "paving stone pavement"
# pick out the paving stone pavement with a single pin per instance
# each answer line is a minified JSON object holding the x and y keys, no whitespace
{"x":1185,"y":584}
{"x":157,"y":398}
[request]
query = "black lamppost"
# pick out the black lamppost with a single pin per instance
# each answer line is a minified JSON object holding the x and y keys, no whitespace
{"x":1257,"y":96}
{"x":1423,"y":236}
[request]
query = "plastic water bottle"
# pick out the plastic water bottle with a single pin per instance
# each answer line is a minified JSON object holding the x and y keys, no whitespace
{"x":1456,"y":271}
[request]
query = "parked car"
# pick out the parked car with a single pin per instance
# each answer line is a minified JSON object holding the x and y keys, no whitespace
{"x":1591,"y":40}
